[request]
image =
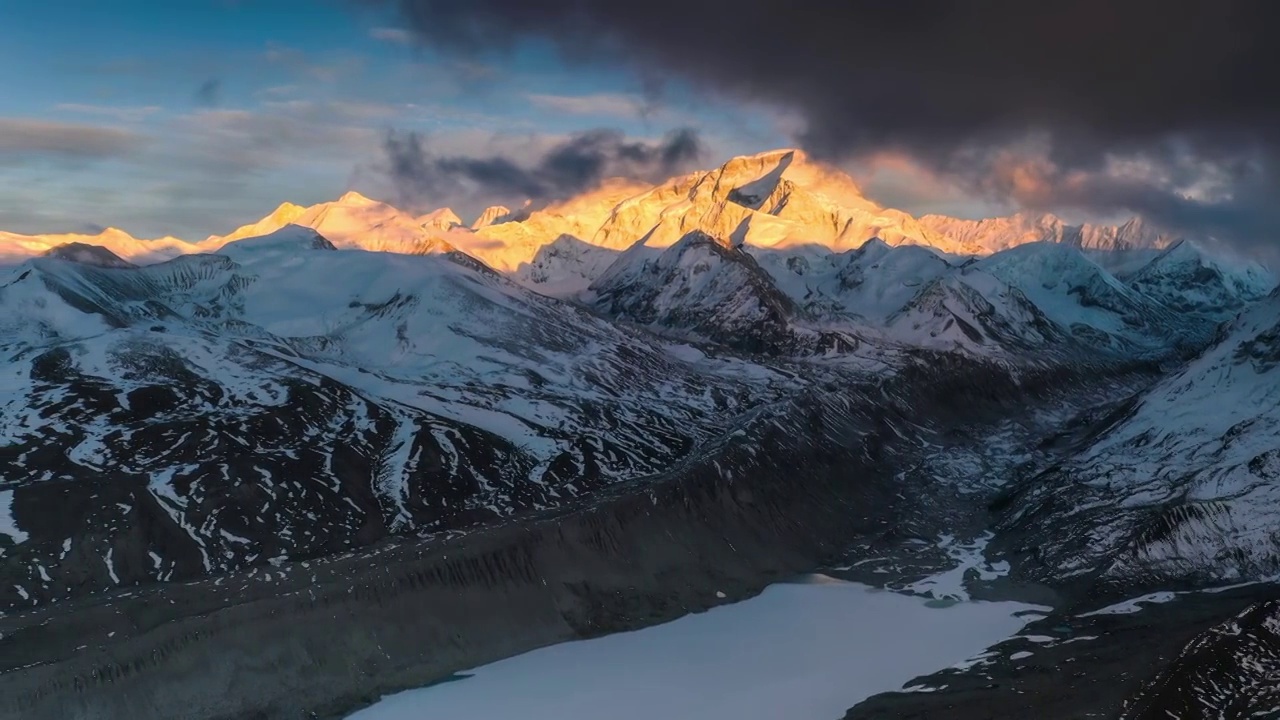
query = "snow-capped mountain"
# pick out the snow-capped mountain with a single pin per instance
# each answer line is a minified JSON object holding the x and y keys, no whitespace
{"x":401,"y":393}
{"x":595,"y":414}
{"x":352,"y":221}
{"x":1188,"y":279}
{"x":1002,"y":233}
{"x":15,"y":248}
{"x":700,"y":285}
{"x":492,"y":215}
{"x":781,"y":200}
{"x":88,"y":255}
{"x":1182,"y":483}
{"x":1089,"y":302}
{"x":442,"y":220}
{"x":871,"y":282}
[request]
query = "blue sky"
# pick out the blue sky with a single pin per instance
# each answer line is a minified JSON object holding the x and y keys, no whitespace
{"x":190,"y":118}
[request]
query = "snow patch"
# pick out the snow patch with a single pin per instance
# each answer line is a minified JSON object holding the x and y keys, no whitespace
{"x":8,"y":526}
{"x":950,"y":584}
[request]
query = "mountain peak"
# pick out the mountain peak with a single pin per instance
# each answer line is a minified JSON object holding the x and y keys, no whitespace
{"x":87,"y":254}
{"x":287,"y":209}
{"x":290,"y":237}
{"x":351,"y":197}
{"x":492,"y":215}
{"x":443,"y":219}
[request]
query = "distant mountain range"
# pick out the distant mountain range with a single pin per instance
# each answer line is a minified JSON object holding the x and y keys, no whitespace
{"x":775,"y":199}
{"x":753,"y":356}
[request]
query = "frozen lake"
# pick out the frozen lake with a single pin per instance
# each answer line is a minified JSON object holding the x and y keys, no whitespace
{"x":799,"y":650}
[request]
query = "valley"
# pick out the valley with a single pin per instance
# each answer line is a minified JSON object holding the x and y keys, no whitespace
{"x":348,"y":450}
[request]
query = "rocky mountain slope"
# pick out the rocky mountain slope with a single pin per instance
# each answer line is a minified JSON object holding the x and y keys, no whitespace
{"x":1179,"y":486}
{"x":413,"y":393}
{"x":777,"y":199}
{"x":589,"y":416}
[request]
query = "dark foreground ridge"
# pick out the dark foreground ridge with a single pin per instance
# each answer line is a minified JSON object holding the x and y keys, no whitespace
{"x":799,"y":484}
{"x":336,"y":635}
{"x":792,"y":488}
{"x":1094,"y":667}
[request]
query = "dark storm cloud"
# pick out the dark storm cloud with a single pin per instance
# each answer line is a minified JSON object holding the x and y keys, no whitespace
{"x":572,"y":166}
{"x":947,"y":82}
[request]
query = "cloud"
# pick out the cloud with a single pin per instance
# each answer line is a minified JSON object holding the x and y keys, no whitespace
{"x":397,"y":36}
{"x":209,"y":92}
{"x":121,"y":114}
{"x":600,"y":104}
{"x":1173,"y":84}
{"x":303,"y":64}
{"x":241,"y":141}
{"x":22,"y":138}
{"x":567,"y":167}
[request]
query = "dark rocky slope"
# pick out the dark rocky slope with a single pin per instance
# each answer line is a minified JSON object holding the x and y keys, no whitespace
{"x":326,"y":636}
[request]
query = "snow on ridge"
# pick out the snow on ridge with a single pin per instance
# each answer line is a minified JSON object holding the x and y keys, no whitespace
{"x":8,"y":526}
{"x":779,"y":198}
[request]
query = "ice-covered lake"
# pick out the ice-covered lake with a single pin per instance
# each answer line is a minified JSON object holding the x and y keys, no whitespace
{"x":799,"y":650}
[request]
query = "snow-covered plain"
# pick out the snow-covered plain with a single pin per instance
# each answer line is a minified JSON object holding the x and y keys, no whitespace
{"x":799,"y":650}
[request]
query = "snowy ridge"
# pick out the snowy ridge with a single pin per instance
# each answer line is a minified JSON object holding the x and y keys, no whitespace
{"x":401,"y":374}
{"x":1187,"y":278}
{"x":380,"y":393}
{"x":1185,"y":481}
{"x":994,"y":234}
{"x":699,"y":285}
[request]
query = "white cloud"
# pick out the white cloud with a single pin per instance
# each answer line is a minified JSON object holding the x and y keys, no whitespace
{"x":121,"y":114}
{"x":600,"y":104}
{"x":399,"y":36}
{"x":28,"y":138}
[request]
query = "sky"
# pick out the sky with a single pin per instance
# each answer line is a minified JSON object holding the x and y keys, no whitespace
{"x":190,"y":118}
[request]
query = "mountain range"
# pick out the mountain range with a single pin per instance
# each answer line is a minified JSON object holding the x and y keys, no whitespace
{"x":597,"y":409}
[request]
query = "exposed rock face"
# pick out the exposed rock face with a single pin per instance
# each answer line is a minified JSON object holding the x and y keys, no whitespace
{"x":380,"y":394}
{"x":423,"y":611}
{"x":1228,"y":671}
